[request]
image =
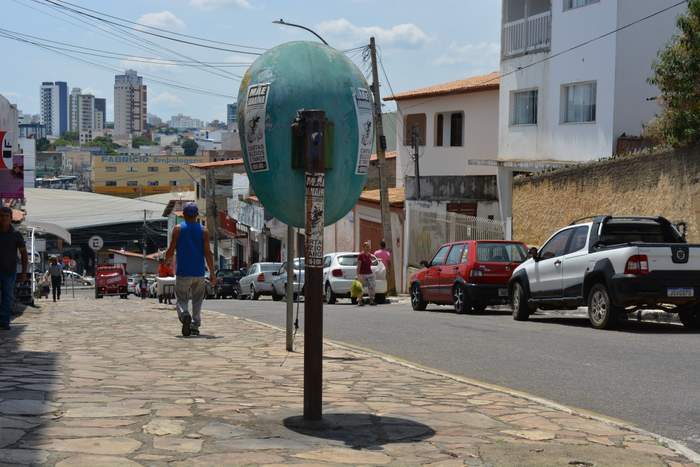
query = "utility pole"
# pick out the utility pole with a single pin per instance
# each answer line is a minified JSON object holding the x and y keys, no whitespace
{"x":416,"y":163}
{"x":211,"y":209}
{"x":290,"y":288}
{"x":143,"y":246}
{"x":381,"y":162}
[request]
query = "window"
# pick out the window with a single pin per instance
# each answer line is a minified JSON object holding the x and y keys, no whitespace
{"x":455,"y":254}
{"x":174,"y":168}
{"x":440,"y":256}
{"x":173,"y":182}
{"x":500,"y":252}
{"x":571,"y":4}
{"x":132,"y":169}
{"x":417,"y":121}
{"x":153,"y":169}
{"x":132,"y":183}
{"x":451,"y":134}
{"x":327,"y":261}
{"x":110,"y":183}
{"x":465,"y":254}
{"x":557,"y":245}
{"x":579,"y":102}
{"x":110,"y":168}
{"x":524,"y":108}
{"x":153,"y":183}
{"x":578,"y":239}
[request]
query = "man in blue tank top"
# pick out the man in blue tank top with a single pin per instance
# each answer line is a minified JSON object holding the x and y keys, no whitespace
{"x":190,"y":241}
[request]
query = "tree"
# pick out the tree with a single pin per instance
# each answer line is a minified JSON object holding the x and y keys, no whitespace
{"x":139,"y":141}
{"x":106,"y":143}
{"x":190,"y":147}
{"x":43,"y":144}
{"x":676,"y":74}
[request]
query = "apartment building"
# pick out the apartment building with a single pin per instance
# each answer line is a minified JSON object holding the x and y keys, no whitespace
{"x":569,"y":88}
{"x":130,"y":104}
{"x":53,"y":101}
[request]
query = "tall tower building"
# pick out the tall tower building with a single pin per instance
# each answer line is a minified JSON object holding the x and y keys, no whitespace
{"x":53,"y":99}
{"x":101,"y":106}
{"x":73,"y":109}
{"x":231,"y":111}
{"x":130,"y":109}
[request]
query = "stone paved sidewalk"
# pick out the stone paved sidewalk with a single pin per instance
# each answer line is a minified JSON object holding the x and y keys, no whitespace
{"x":111,"y":382}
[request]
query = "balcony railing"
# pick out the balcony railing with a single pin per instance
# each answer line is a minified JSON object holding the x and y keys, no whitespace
{"x":530,"y":34}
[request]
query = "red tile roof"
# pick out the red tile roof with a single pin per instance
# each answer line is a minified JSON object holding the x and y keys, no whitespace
{"x":217,"y":164}
{"x":462,"y":86}
{"x":387,"y":155}
{"x":397,"y":196}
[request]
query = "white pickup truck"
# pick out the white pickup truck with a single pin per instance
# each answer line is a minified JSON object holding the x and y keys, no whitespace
{"x":613,"y":265}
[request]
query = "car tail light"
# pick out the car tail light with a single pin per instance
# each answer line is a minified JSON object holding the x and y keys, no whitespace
{"x":337,"y":273}
{"x":261,"y":277}
{"x":637,"y":264}
{"x":478,"y":270}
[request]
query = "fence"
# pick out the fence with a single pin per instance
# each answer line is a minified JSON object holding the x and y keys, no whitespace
{"x":428,"y":229}
{"x":527,"y":34}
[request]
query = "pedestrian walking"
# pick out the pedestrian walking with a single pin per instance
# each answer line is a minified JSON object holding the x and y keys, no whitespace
{"x":56,"y":274}
{"x":190,"y":242}
{"x":143,"y":287}
{"x":383,"y":254}
{"x":365,"y":273}
{"x":11,"y":242}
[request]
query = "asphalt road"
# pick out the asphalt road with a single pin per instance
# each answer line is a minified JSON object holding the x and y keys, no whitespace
{"x":646,"y":373}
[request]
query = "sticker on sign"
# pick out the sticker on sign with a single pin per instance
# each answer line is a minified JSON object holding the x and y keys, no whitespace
{"x":255,"y":115}
{"x":314,"y":202}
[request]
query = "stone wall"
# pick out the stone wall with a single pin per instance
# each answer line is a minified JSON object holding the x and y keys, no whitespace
{"x":665,"y":184}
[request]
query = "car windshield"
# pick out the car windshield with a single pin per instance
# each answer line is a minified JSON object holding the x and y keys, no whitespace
{"x":351,"y":260}
{"x":500,"y":252}
{"x":617,"y":231}
{"x":299,"y":263}
{"x":227,"y":273}
{"x":269,"y":267}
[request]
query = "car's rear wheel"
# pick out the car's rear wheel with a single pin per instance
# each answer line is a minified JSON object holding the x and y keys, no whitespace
{"x":519,"y":302}
{"x":460,"y":299}
{"x":329,"y":295}
{"x":276,"y":297}
{"x":417,"y":302}
{"x":690,"y":317}
{"x":253,"y":295}
{"x":479,"y":307}
{"x":601,"y":311}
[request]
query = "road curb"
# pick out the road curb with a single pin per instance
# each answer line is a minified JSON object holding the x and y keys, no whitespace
{"x":673,"y":445}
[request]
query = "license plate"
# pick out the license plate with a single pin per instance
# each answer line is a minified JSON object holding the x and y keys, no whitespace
{"x":681,"y":292}
{"x":502,"y":292}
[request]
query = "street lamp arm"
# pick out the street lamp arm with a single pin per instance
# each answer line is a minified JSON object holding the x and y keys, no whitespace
{"x":284,"y":23}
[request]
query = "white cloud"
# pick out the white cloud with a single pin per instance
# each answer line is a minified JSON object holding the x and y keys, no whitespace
{"x":484,"y":55}
{"x":401,"y":35}
{"x":214,"y":4}
{"x":166,"y":99}
{"x":162,"y":19}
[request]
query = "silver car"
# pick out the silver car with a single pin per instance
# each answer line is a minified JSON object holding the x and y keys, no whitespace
{"x":279,"y":283}
{"x":340,"y":269}
{"x":258,"y":281}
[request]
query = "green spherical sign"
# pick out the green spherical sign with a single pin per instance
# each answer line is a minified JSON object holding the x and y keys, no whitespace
{"x":292,"y":77}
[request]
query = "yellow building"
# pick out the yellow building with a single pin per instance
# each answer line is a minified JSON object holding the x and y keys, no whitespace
{"x":132,"y":176}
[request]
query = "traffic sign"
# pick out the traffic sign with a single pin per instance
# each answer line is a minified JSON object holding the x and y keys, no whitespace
{"x":280,"y":83}
{"x":96,"y":243}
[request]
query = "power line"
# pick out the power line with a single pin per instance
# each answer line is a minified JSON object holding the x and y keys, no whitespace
{"x":161,"y":30}
{"x":156,"y":80}
{"x":162,"y":36}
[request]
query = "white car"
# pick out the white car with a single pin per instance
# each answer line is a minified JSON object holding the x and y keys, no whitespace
{"x":258,"y":281}
{"x":340,"y":269}
{"x":279,"y":283}
{"x":73,"y":278}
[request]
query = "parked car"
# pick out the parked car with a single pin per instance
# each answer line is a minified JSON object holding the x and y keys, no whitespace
{"x":470,"y":275}
{"x":73,"y":278}
{"x":340,"y":269}
{"x":110,"y":279}
{"x":279,"y":283}
{"x":258,"y":281}
{"x":227,"y":283}
{"x":613,"y":265}
{"x":132,"y":284}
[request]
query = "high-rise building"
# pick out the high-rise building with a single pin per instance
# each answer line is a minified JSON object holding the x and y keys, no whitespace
{"x":53,"y":99}
{"x":86,"y":112}
{"x":101,"y":106}
{"x":231,"y":113}
{"x":73,"y":121}
{"x":183,"y":122}
{"x":130,"y":104}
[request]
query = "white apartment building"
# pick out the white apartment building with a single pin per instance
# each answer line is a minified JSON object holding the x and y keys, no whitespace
{"x":53,"y":101}
{"x":73,"y":110}
{"x":86,"y":112}
{"x":563,"y":101}
{"x":130,"y":104}
{"x":184,"y":122}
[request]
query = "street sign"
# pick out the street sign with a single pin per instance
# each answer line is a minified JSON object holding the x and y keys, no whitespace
{"x":96,"y":243}
{"x":280,"y":83}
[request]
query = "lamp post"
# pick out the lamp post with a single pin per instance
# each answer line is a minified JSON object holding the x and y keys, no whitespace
{"x":284,"y":23}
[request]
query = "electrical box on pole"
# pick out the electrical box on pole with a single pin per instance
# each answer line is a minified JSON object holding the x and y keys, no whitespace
{"x":306,"y":125}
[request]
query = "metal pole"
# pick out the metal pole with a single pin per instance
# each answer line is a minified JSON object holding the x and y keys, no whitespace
{"x":381,"y":159}
{"x":314,"y":122}
{"x":416,"y":164}
{"x":143,"y":246}
{"x":290,"y":288}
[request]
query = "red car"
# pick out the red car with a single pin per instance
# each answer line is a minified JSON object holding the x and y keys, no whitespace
{"x":469,"y":275}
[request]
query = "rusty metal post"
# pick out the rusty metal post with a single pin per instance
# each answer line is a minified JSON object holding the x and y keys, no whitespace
{"x":314,"y":124}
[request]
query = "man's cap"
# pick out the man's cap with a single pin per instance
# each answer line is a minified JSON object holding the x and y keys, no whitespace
{"x":190,"y":209}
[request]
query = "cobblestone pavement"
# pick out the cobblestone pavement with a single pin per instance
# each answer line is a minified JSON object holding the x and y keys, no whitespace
{"x":111,"y":382}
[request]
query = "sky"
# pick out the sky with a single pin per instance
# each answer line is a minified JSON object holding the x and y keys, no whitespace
{"x":421,"y":43}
